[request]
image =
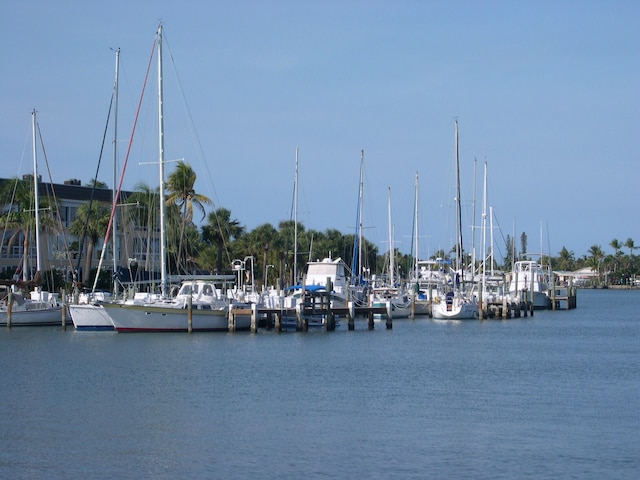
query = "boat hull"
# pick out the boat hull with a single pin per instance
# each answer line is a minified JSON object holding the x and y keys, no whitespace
{"x":150,"y":318}
{"x":90,"y":317}
{"x":397,"y":310}
{"x":458,"y":310}
{"x":38,"y":317}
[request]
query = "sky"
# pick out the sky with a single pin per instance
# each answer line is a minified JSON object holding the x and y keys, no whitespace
{"x":546,"y":95}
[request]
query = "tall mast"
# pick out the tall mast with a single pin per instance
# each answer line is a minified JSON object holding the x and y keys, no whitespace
{"x":458,"y":209}
{"x":114,"y":238}
{"x":491,"y":237}
{"x":295,"y":222}
{"x":35,"y":192}
{"x":415,"y":230}
{"x":163,"y":264}
{"x":484,"y":225}
{"x":391,"y":263}
{"x":473,"y":216}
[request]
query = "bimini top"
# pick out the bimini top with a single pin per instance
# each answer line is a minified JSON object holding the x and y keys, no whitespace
{"x":309,"y":288}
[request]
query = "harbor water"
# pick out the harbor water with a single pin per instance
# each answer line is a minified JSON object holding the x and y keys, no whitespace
{"x":554,"y":395}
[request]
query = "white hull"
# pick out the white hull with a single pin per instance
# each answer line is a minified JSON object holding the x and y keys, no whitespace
{"x":528,"y":276}
{"x":398,"y":310}
{"x":152,"y":318}
{"x":457,"y":309}
{"x":540,"y":299}
{"x":90,"y":317}
{"x":39,"y":317}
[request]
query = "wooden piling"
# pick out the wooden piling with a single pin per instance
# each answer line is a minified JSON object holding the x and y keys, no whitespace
{"x":505,"y":312}
{"x":370,"y":320}
{"x":389,"y":317}
{"x":331,"y":321}
{"x":351,"y":317}
{"x":254,"y":318}
{"x":232,"y":319}
{"x":9,"y":308}
{"x":64,"y":311}
{"x":299,"y":311}
{"x":190,"y":314}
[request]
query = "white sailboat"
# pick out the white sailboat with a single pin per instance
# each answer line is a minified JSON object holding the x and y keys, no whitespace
{"x":453,"y":302}
{"x":88,"y":313}
{"x":166,"y":315}
{"x":390,"y":292}
{"x":41,"y":308}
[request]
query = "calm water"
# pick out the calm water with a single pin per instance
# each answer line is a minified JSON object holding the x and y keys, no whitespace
{"x":555,"y":395}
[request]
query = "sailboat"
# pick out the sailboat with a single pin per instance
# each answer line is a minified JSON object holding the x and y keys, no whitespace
{"x":399,"y":304}
{"x":41,"y":308}
{"x":88,"y":313}
{"x":200,"y":304}
{"x":453,"y":302}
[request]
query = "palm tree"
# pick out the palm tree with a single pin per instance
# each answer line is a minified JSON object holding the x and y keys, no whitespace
{"x":630,"y":245}
{"x":219,"y":230}
{"x":617,"y":246}
{"x":92,"y":223}
{"x":263,"y":242}
{"x":19,"y":217}
{"x":595,"y":258}
{"x":207,"y":258}
{"x":566,"y":259}
{"x":143,"y":216}
{"x":181,"y":192}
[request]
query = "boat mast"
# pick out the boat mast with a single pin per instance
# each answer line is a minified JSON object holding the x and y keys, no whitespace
{"x":356,"y":257}
{"x":163,"y":264}
{"x":459,"y":250}
{"x":295,"y":222}
{"x":484,"y":228}
{"x":473,"y":218}
{"x":491,"y":237}
{"x":391,"y":263}
{"x":114,"y":238}
{"x":35,"y":193}
{"x":415,"y":230}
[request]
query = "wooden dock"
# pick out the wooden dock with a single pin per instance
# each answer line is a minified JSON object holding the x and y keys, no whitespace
{"x":564,"y":297}
{"x":316,"y":310}
{"x":276,"y":318}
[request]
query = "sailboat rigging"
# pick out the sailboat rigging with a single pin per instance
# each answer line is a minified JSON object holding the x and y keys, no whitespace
{"x":455,"y":302}
{"x":42,"y":308}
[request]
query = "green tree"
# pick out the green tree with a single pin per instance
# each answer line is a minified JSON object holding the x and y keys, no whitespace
{"x":97,"y":184}
{"x":523,"y":245}
{"x":181,"y":192}
{"x":142,"y":211}
{"x":595,"y":258}
{"x":93,"y":224}
{"x":265,"y":244}
{"x":566,"y":260}
{"x":219,"y":230}
{"x":18,"y":217}
{"x":629,"y":243}
{"x":616,"y":245}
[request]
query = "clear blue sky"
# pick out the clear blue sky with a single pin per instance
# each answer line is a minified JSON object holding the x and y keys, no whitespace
{"x":546,"y":92}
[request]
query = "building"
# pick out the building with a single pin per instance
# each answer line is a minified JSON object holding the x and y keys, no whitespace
{"x":135,"y":242}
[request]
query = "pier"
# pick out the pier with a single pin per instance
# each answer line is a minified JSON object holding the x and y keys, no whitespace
{"x":315,"y":311}
{"x":563,"y":297}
